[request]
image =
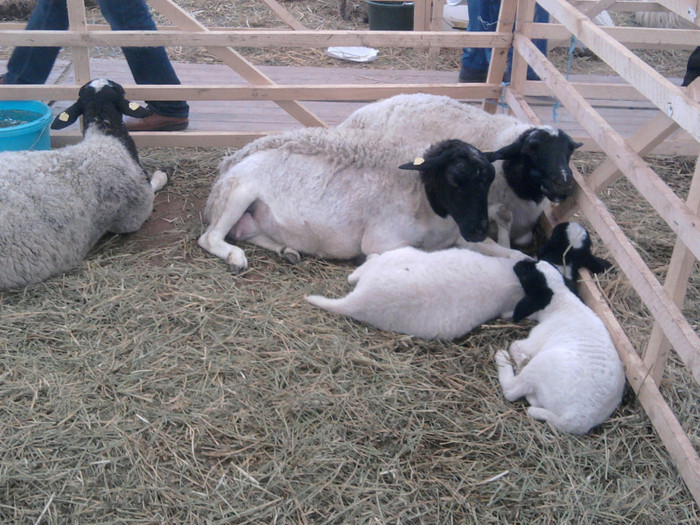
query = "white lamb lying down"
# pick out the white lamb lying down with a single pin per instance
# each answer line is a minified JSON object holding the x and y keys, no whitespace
{"x":570,"y":372}
{"x":442,"y":294}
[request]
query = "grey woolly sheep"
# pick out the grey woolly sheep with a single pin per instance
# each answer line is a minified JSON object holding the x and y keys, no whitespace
{"x":55,"y":205}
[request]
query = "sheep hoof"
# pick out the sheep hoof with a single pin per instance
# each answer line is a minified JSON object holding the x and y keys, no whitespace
{"x":291,"y":255}
{"x":236,"y":264}
{"x":158,"y":180}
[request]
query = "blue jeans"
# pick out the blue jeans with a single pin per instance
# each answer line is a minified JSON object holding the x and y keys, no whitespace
{"x":149,"y":65}
{"x":483,"y":16}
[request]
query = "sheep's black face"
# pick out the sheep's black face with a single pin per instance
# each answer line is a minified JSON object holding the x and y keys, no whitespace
{"x":548,"y":152}
{"x":457,"y":177}
{"x":465,"y":197}
{"x":537,"y":164}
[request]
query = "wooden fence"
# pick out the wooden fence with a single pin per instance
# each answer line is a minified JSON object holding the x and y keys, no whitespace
{"x":678,"y":109}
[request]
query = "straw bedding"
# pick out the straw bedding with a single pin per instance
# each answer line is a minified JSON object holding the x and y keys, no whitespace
{"x":149,"y":385}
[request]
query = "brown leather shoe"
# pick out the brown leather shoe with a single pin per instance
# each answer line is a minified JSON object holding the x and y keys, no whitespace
{"x":155,"y":122}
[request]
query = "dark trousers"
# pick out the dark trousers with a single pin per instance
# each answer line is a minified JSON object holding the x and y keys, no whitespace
{"x":149,"y":65}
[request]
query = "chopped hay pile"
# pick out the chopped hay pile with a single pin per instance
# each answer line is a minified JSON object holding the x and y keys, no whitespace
{"x":149,"y":385}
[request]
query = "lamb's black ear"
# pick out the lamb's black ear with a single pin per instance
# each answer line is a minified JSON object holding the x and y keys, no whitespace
{"x":537,"y":293}
{"x":530,"y":304}
{"x":132,"y":109}
{"x":595,"y":264}
{"x":68,"y":116}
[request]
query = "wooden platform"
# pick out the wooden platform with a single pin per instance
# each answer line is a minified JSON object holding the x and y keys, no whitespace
{"x":626,"y":116}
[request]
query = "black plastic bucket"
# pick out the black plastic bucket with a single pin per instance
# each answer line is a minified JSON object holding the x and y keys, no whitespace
{"x":390,"y":16}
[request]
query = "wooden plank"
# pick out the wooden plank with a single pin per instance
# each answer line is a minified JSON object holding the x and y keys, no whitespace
{"x":665,"y":422}
{"x":261,"y":38}
{"x":630,"y":37}
{"x":643,"y":142}
{"x":499,"y":56}
{"x":668,"y":98}
{"x":679,"y":270}
{"x":81,"y":59}
{"x":236,"y":61}
{"x":687,"y":9}
{"x":284,"y":15}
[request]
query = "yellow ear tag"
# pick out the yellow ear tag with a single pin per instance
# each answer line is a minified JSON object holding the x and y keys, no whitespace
{"x":64,"y":117}
{"x":133,"y":106}
{"x":418,"y":161}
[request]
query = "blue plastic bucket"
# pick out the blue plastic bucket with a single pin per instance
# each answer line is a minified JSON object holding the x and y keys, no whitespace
{"x":24,"y":125}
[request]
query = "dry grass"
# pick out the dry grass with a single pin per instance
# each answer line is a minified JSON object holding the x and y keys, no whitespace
{"x":149,"y":385}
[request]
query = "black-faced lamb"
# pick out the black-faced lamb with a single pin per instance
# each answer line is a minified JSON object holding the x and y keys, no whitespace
{"x":535,"y":168}
{"x":446,"y":294}
{"x":340,"y":194}
{"x":569,"y":248}
{"x":55,"y":205}
{"x":570,"y":372}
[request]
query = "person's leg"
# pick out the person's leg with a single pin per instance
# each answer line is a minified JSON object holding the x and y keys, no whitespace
{"x":32,"y":65}
{"x":483,"y":16}
{"x":541,"y":17}
{"x":149,"y":65}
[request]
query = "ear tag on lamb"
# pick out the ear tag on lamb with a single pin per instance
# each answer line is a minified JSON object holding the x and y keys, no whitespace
{"x":418,"y":161}
{"x":63,"y":116}
{"x":133,"y":106}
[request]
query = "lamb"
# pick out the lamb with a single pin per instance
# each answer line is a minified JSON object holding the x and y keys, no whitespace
{"x":444,"y":294}
{"x":431,"y":295}
{"x":535,"y":158}
{"x":338,"y":194}
{"x":574,"y":378}
{"x":55,"y":205}
{"x":569,"y":250}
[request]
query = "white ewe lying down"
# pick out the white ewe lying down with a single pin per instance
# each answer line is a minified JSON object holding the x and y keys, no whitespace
{"x":536,"y":165}
{"x":340,"y":194}
{"x":448,"y":293}
{"x":55,"y":205}
{"x":570,"y":372}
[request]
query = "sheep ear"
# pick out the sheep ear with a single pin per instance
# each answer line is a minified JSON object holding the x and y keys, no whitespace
{"x":68,"y":116}
{"x":596,"y":264}
{"x":132,"y":109}
{"x":421,"y":164}
{"x":532,"y":303}
{"x":507,"y":152}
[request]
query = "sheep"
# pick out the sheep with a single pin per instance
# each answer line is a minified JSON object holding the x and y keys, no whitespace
{"x":536,"y":158}
{"x":570,"y":372}
{"x":338,"y":194}
{"x":445,"y":294}
{"x":569,"y":249}
{"x":693,"y":69}
{"x":663,"y":19}
{"x":432,"y":295}
{"x":55,"y":205}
